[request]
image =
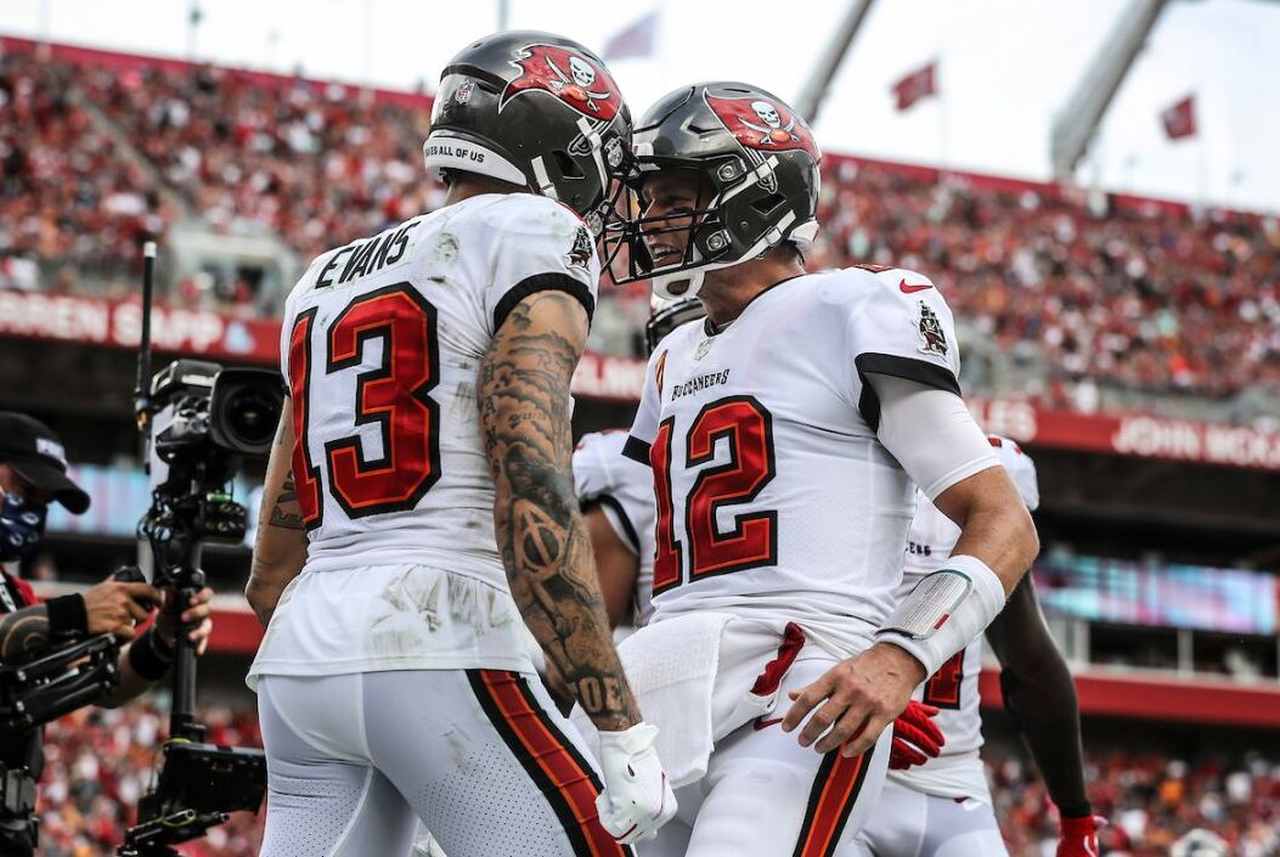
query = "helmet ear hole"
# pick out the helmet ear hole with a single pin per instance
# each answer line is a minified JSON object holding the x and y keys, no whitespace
{"x":768,"y":203}
{"x":568,"y":166}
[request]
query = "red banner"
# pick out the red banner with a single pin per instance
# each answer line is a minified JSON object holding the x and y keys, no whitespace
{"x":1154,"y":695}
{"x":93,"y":321}
{"x":1131,"y":434}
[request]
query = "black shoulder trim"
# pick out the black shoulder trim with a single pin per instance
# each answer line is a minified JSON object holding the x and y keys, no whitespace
{"x":636,"y":450}
{"x":551,"y":281}
{"x":920,"y":371}
{"x":612,"y":502}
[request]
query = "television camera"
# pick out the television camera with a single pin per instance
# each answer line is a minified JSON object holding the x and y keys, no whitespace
{"x":198,"y":420}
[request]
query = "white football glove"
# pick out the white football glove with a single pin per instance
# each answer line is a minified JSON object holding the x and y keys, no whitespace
{"x":637,"y":798}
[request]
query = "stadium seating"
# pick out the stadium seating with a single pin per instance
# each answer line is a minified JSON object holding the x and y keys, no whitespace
{"x":100,"y":761}
{"x":1146,"y":295}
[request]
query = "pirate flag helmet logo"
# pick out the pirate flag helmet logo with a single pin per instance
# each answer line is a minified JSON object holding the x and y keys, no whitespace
{"x":763,"y":124}
{"x":576,"y":79}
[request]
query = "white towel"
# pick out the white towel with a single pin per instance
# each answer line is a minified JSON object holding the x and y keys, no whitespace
{"x":671,"y":667}
{"x":693,"y":676}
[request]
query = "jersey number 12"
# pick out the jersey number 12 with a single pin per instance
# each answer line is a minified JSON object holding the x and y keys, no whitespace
{"x":753,"y":542}
{"x":392,"y":396}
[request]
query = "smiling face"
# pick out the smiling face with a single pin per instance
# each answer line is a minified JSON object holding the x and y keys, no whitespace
{"x":671,"y":200}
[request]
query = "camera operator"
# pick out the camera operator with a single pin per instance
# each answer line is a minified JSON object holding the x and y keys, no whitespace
{"x":33,"y":474}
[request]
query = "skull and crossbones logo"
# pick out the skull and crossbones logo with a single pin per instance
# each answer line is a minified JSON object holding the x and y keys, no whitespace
{"x":577,"y":84}
{"x":772,"y":132}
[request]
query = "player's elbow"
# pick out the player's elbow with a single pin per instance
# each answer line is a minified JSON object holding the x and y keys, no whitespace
{"x":261,"y":597}
{"x":1023,"y":538}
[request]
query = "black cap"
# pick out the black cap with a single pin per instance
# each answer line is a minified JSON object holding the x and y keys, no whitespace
{"x":35,"y":452}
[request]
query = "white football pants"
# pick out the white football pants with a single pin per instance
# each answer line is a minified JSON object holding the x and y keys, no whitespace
{"x":766,"y":795}
{"x":482,"y":757}
{"x":909,"y":823}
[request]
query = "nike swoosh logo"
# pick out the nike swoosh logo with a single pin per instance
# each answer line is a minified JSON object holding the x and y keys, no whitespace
{"x":908,"y":288}
{"x":760,"y":723}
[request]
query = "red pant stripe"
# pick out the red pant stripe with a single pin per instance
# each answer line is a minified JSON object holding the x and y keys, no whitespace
{"x":564,"y":777}
{"x":831,"y":800}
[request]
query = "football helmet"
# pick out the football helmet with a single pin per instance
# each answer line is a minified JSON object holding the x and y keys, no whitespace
{"x":757,"y":166}
{"x":665,"y":316}
{"x":534,"y":110}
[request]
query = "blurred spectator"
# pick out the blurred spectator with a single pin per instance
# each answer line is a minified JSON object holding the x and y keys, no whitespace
{"x":1151,"y":296}
{"x":99,"y":762}
{"x":69,"y":202}
{"x":1151,"y":802}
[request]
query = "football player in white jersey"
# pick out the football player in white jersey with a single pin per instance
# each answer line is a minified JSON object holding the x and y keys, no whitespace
{"x":786,"y":434}
{"x":616,"y":494}
{"x":418,"y":501}
{"x":942,"y":807}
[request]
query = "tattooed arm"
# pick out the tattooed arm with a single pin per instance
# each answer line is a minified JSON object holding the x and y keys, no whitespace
{"x":524,"y":419}
{"x":281,"y":546}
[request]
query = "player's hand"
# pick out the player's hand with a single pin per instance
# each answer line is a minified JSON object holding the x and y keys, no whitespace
{"x":113,"y":607}
{"x":862,"y":696}
{"x":916,"y":738}
{"x":1078,"y":837}
{"x":196,"y":617}
{"x":637,"y":798}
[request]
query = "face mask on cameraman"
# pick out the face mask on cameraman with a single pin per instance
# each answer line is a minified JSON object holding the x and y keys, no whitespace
{"x":36,"y":468}
{"x":21,"y":527}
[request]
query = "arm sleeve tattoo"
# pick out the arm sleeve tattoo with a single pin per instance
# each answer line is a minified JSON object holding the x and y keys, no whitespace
{"x":524,"y":420}
{"x":24,"y":635}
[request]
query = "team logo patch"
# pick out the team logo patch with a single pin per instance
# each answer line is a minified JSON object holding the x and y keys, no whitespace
{"x":703,"y":347}
{"x":763,"y":124}
{"x":575,"y":79}
{"x":932,"y":339}
{"x":579,"y":254}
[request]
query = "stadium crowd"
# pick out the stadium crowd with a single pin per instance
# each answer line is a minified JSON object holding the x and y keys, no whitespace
{"x":99,"y":762}
{"x":1150,"y":801}
{"x":318,"y":165}
{"x":1156,"y":296}
{"x":68,"y":199}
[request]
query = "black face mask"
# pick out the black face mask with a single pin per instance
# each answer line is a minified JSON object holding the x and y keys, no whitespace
{"x":21,"y":527}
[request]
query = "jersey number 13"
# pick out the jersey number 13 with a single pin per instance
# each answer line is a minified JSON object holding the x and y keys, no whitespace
{"x":392,"y":396}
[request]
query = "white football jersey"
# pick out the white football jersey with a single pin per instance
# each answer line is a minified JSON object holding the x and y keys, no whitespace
{"x":953,"y":689}
{"x":775,"y":499}
{"x":624,"y":490}
{"x":380,"y":348}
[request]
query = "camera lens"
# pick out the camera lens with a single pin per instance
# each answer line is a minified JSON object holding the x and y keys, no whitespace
{"x":251,"y":415}
{"x":245,"y":410}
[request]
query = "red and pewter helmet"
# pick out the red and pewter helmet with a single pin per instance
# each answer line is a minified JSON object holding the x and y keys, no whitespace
{"x":535,"y":110}
{"x":757,"y":163}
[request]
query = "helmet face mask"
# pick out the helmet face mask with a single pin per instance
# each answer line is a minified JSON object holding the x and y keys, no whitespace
{"x":537,"y":111}
{"x":757,"y":168}
{"x":678,"y":237}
